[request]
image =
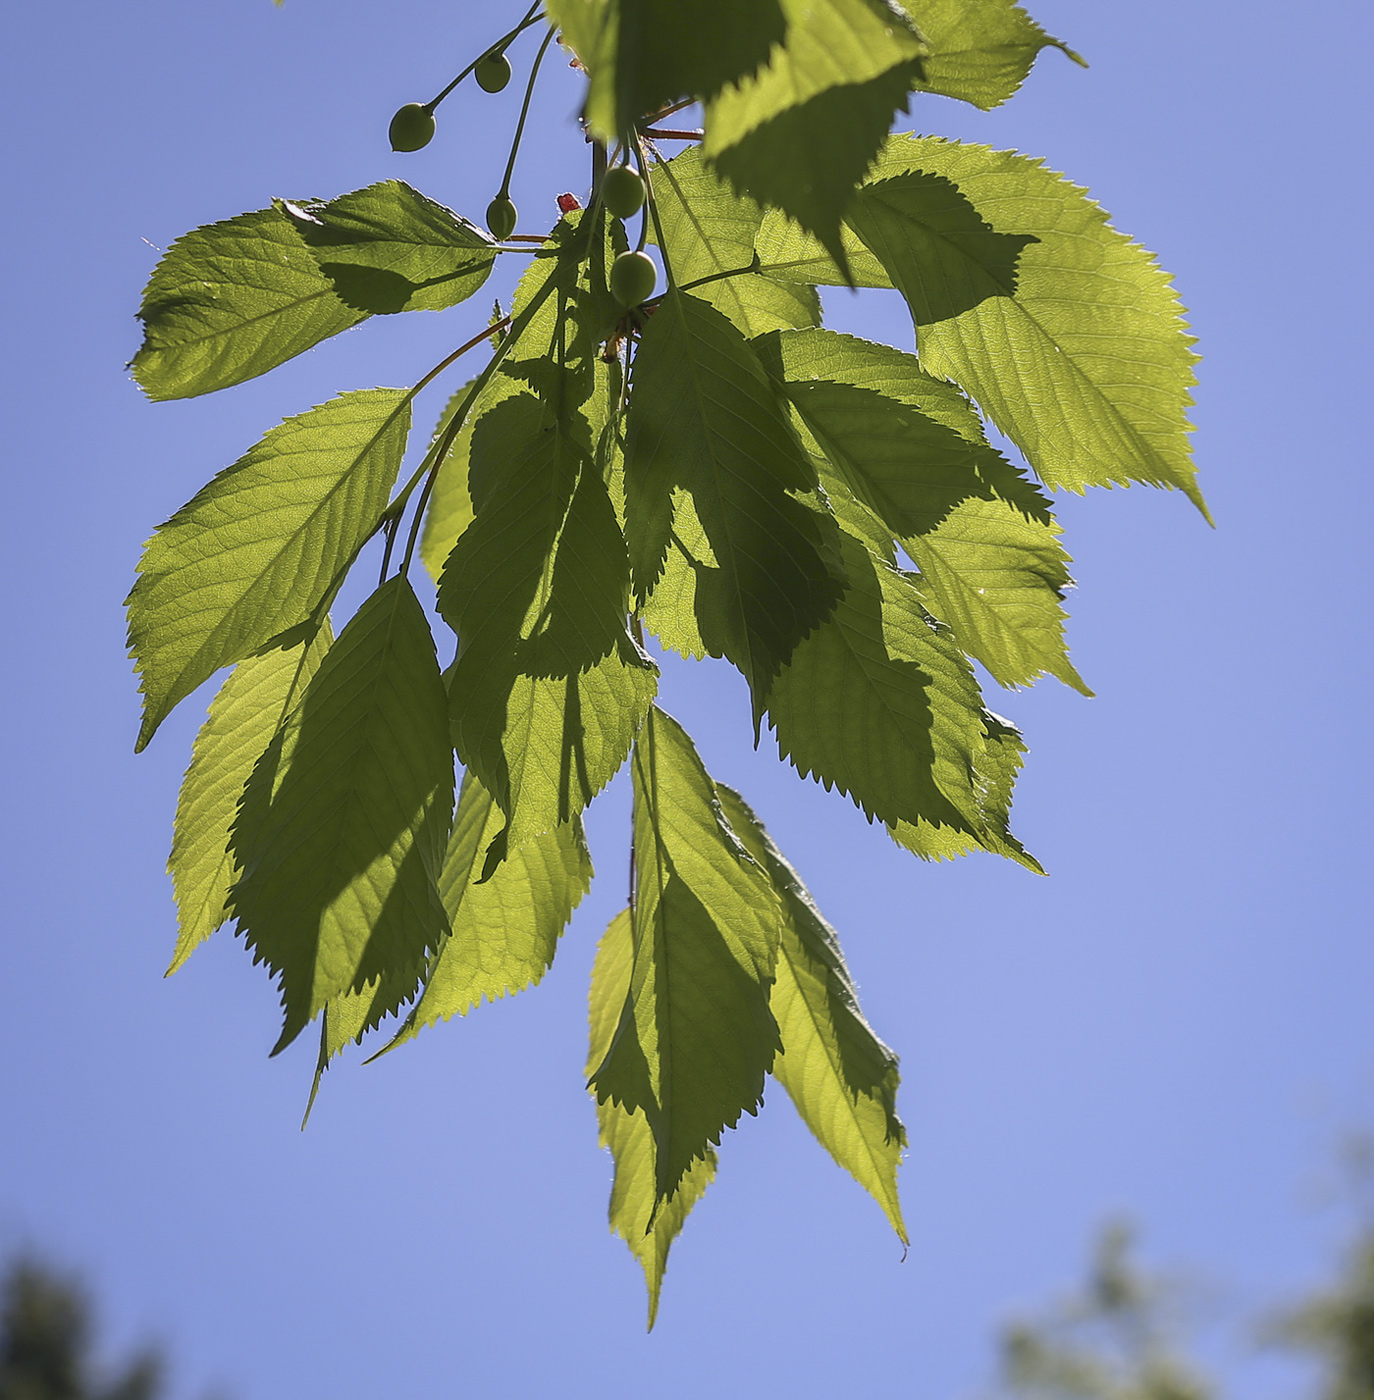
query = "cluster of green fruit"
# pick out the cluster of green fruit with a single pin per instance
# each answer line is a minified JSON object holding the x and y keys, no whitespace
{"x":633,"y":275}
{"x":412,"y":128}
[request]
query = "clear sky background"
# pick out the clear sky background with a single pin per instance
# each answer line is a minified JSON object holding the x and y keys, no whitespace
{"x":1175,"y":1025}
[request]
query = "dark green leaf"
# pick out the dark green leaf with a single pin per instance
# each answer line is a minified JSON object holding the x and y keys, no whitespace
{"x":344,"y":821}
{"x":251,"y":706}
{"x":506,"y":928}
{"x":880,"y":703}
{"x":800,"y":134}
{"x":841,"y":1077}
{"x":908,"y":445}
{"x":255,"y":552}
{"x":537,"y":590}
{"x":388,"y":248}
{"x":646,"y":1224}
{"x":643,"y":54}
{"x":912,"y":450}
{"x":934,"y":246}
{"x":230,"y":301}
{"x":557,"y":354}
{"x":695,"y":1036}
{"x":999,"y":766}
{"x":704,"y":419}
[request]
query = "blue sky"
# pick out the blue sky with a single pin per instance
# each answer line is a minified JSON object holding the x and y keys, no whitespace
{"x":1175,"y":1025}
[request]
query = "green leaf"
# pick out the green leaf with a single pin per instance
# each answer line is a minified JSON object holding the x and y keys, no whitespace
{"x":933,"y":244}
{"x":506,"y":928}
{"x":537,"y":590}
{"x":704,"y":418}
{"x":800,"y":134}
{"x":647,"y":1225}
{"x":787,"y":251}
{"x":997,"y":580}
{"x":389,"y":248}
{"x":999,"y":765}
{"x":908,"y":445}
{"x":557,"y":354}
{"x":344,"y":820}
{"x":255,"y":552}
{"x":709,"y":230}
{"x":981,"y":50}
{"x":449,"y":512}
{"x":880,"y":703}
{"x":911,"y":449}
{"x":695,"y":1036}
{"x":230,"y":301}
{"x":841,"y":1077}
{"x":251,"y":706}
{"x":1087,"y":368}
{"x":642,"y":54}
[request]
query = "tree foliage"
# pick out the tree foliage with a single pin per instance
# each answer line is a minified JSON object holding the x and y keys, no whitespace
{"x":709,"y":466}
{"x":46,"y":1344}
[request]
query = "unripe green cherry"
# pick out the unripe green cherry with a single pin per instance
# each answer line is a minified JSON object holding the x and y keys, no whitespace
{"x":492,"y":72}
{"x":501,"y":217}
{"x":633,"y":278}
{"x":622,"y":191}
{"x":411,"y":127}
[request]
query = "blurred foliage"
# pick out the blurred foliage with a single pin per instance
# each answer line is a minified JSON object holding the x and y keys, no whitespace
{"x":1118,"y":1339}
{"x":46,"y":1344}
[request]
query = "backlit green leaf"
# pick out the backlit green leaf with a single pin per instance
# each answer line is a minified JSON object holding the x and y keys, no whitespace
{"x":537,"y":590}
{"x":704,"y":419}
{"x":800,"y":134}
{"x":450,"y":504}
{"x":999,"y":765}
{"x":997,"y":579}
{"x":880,"y":703}
{"x":643,"y":54}
{"x":911,"y":448}
{"x":695,"y":1036}
{"x":981,"y":50}
{"x":230,"y":301}
{"x":1087,"y":367}
{"x":709,"y":230}
{"x":505,"y":929}
{"x":388,"y":248}
{"x":933,"y":244}
{"x":647,"y":1225}
{"x":908,"y":445}
{"x":841,"y":1077}
{"x":250,"y":707}
{"x":344,"y":820}
{"x":255,"y":551}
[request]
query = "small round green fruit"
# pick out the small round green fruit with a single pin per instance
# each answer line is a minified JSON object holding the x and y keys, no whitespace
{"x":633,"y":278}
{"x":492,"y":72}
{"x":501,"y":217}
{"x":622,"y":191}
{"x":411,"y":128}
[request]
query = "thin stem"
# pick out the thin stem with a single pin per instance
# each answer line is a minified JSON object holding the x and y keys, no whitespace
{"x":498,"y":47}
{"x":651,"y":208}
{"x":669,"y":110}
{"x":664,"y":134}
{"x":524,"y":112}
